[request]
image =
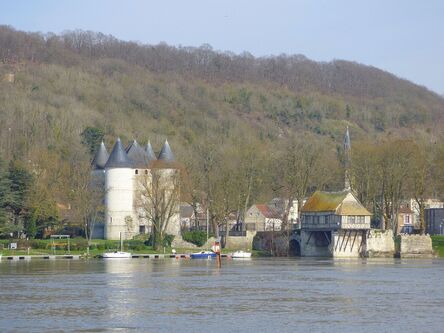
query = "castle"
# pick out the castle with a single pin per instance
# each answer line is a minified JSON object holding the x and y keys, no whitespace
{"x":124,"y":175}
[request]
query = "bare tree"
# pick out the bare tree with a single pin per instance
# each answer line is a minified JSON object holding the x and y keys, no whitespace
{"x":158,"y":200}
{"x":87,"y":197}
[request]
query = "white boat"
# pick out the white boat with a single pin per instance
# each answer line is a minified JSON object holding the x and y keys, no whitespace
{"x":241,"y":254}
{"x":117,"y":254}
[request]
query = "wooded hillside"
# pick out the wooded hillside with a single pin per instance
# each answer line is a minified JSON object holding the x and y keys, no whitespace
{"x":231,"y":119}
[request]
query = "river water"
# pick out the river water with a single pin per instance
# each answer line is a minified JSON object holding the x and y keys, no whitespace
{"x":257,"y":295}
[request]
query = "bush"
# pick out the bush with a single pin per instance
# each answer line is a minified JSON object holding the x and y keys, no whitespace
{"x":167,"y":240}
{"x":196,"y":237}
{"x":136,"y":245}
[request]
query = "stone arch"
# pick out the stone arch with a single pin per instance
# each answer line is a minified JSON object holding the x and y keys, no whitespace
{"x":294,"y":249}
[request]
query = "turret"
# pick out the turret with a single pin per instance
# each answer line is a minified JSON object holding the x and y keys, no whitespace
{"x":100,"y":158}
{"x":137,"y":155}
{"x":98,"y":165}
{"x":166,"y":154}
{"x":119,"y":192}
{"x":150,"y":152}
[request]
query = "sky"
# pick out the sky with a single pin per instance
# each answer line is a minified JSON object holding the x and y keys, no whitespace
{"x":403,"y":37}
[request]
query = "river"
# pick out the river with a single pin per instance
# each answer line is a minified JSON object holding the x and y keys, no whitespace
{"x":257,"y":295}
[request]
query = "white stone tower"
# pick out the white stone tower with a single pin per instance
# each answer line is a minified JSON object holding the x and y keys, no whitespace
{"x":119,"y":193}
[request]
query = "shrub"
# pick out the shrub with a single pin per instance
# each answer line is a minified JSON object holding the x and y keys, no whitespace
{"x":167,"y":240}
{"x":136,"y":245}
{"x":196,"y":237}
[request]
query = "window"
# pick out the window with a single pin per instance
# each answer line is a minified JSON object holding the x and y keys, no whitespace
{"x":146,"y":172}
{"x":351,"y":219}
{"x":136,"y":172}
{"x":110,"y":219}
{"x":406,"y":219}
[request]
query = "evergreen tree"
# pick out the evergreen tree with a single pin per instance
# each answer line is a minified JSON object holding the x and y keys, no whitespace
{"x":6,"y":197}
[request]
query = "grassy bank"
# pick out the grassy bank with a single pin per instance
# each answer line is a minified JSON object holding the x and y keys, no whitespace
{"x":438,"y":245}
{"x":79,"y":246}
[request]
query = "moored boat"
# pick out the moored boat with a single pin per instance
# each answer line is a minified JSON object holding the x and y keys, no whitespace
{"x":116,"y":254}
{"x":241,"y":255}
{"x":203,"y":255}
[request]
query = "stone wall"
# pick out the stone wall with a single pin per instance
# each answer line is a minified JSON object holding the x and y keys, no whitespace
{"x":178,"y":242}
{"x":275,"y":242}
{"x":347,"y":244}
{"x":380,"y":243}
{"x":240,"y":242}
{"x":416,"y":246}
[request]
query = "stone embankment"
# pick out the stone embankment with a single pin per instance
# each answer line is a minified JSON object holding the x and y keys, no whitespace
{"x":179,"y":243}
{"x":380,"y":244}
{"x":416,"y":246}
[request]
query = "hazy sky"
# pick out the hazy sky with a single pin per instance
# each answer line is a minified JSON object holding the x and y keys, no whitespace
{"x":401,"y":36}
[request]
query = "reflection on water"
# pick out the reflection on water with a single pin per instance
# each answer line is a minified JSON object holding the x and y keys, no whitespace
{"x":260,"y":295}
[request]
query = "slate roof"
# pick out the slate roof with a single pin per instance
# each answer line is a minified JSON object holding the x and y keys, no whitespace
{"x":334,"y":202}
{"x":118,"y":157}
{"x":100,"y":158}
{"x":137,"y":155}
{"x":150,"y":152}
{"x":166,"y":154}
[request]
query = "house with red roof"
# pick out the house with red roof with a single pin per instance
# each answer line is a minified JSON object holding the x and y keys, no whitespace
{"x":263,"y":217}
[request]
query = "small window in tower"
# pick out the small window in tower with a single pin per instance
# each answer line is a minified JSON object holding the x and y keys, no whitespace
{"x":137,"y":172}
{"x":110,"y":219}
{"x":146,"y":172}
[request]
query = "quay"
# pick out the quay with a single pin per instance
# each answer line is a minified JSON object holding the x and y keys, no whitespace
{"x":44,"y":256}
{"x":78,"y":256}
{"x":165,"y":256}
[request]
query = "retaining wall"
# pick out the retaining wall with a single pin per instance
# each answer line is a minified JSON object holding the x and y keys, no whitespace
{"x":380,"y":243}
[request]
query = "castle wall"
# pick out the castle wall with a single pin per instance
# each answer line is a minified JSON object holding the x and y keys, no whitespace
{"x":119,"y":211}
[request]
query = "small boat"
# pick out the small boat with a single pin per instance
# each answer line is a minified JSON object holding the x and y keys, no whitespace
{"x":203,"y":255}
{"x":117,"y":254}
{"x":241,"y":255}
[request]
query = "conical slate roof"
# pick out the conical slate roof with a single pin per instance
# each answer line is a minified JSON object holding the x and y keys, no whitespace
{"x":137,"y":155}
{"x":150,"y":152}
{"x":166,"y":154}
{"x":100,"y":158}
{"x":118,"y":157}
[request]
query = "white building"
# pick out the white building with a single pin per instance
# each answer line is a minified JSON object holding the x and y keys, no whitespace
{"x":121,"y":174}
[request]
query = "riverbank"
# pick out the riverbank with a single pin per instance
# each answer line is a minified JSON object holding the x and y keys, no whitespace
{"x":438,"y":245}
{"x":79,"y":246}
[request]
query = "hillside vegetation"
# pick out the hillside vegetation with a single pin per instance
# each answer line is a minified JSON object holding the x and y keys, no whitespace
{"x":232,"y":120}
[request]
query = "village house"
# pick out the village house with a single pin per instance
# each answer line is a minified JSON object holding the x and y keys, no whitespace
{"x":406,"y":221}
{"x":333,"y":224}
{"x":263,"y":217}
{"x":434,"y":220}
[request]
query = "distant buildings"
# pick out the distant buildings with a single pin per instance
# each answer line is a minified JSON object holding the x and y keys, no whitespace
{"x":434,"y":219}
